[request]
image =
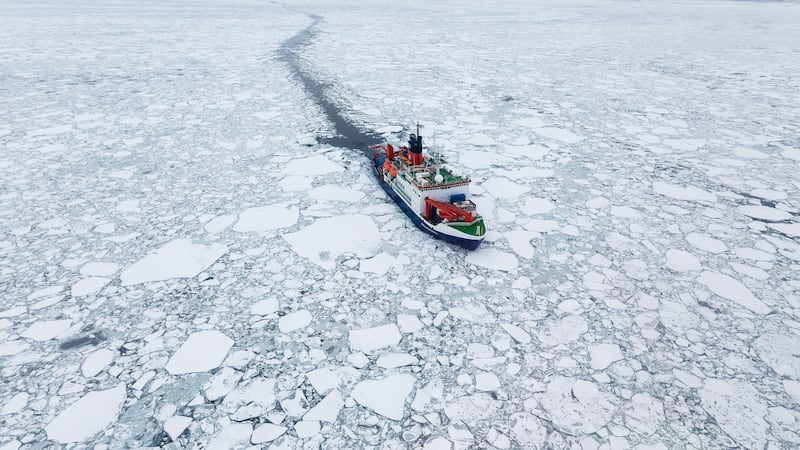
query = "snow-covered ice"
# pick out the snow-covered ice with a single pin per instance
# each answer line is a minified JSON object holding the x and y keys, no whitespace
{"x":193,"y":255}
{"x":386,"y":396}
{"x":267,"y":218}
{"x":370,"y":339}
{"x":731,"y":289}
{"x":294,"y":321}
{"x":202,"y":351}
{"x":86,"y":417}
{"x":324,"y":240}
{"x":180,"y":258}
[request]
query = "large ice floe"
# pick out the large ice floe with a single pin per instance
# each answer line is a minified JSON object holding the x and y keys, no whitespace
{"x":194,"y":252}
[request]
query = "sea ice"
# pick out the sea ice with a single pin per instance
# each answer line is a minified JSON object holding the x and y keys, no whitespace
{"x":267,"y":433}
{"x":99,"y":269}
{"x":386,"y":396}
{"x":779,"y":352}
{"x":15,"y":404}
{"x":327,"y":410}
{"x":202,"y":351}
{"x":96,"y":361}
{"x":683,"y":193}
{"x":577,"y":406}
{"x":706,"y":243}
{"x":254,"y":399}
{"x":562,"y":331}
{"x":219,"y":223}
{"x":46,"y":329}
{"x":789,"y":229}
{"x":733,"y":290}
{"x":221,"y":383}
{"x":176,"y":259}
{"x":492,"y":258}
{"x":235,"y":435}
{"x":176,"y":425}
{"x":473,"y":408}
{"x":504,"y":188}
{"x":370,"y":339}
{"x":517,"y":333}
{"x":294,"y":321}
{"x":378,"y":264}
{"x":311,"y":166}
{"x":604,"y":354}
{"x":408,"y":323}
{"x":323,"y":380}
{"x":476,"y":160}
{"x":327,"y":238}
{"x":335,"y":193}
{"x":737,"y":408}
{"x":87,"y":416}
{"x":264,"y":307}
{"x":10,"y":348}
{"x":267,"y":218}
{"x":486,"y":381}
{"x":764,"y":213}
{"x":559,"y":134}
{"x":682,"y":261}
{"x":394,"y":360}
{"x":89,"y":286}
{"x":535,"y":205}
{"x":306,"y":428}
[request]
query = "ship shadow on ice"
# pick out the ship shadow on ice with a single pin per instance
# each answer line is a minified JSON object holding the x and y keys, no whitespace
{"x":88,"y":337}
{"x":346,"y":133}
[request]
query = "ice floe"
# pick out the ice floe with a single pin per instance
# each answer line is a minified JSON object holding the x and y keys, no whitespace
{"x":369,"y":339}
{"x":737,"y":409}
{"x":88,"y":416}
{"x":176,"y":259}
{"x":267,"y":218}
{"x":386,"y":396}
{"x":327,"y":238}
{"x":731,"y":289}
{"x":202,"y":351}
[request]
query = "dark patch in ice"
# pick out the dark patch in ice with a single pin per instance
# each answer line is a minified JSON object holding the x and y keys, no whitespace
{"x":91,"y":337}
{"x":348,"y":135}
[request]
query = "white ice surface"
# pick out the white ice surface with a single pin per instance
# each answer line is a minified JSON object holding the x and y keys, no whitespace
{"x":311,"y":166}
{"x":294,"y":321}
{"x":737,"y":408}
{"x":602,"y":142}
{"x":493,"y":259}
{"x":370,"y":339}
{"x":267,"y":218}
{"x":96,"y":361}
{"x":604,"y":354}
{"x":732,"y":289}
{"x":267,"y":433}
{"x":386,"y":396}
{"x":682,"y":261}
{"x":88,"y":416}
{"x":176,"y":259}
{"x":327,"y":410}
{"x":202,"y":351}
{"x":327,"y":238}
{"x":683,"y":193}
{"x":46,"y":330}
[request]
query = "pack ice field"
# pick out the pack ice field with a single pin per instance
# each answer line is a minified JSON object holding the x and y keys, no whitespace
{"x":195,"y":251}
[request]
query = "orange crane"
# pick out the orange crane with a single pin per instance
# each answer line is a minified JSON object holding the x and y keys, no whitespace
{"x":447,"y":212}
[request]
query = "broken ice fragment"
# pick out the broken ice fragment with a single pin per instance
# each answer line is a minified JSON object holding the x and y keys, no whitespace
{"x":87,"y":416}
{"x":202,"y":351}
{"x":386,"y":396}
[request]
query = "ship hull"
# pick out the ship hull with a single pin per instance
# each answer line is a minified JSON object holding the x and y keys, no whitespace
{"x":424,"y":225}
